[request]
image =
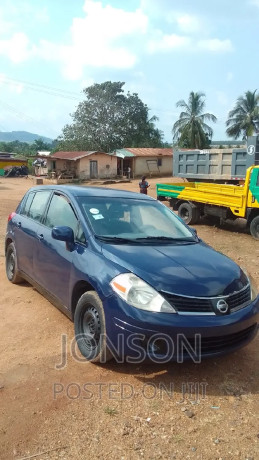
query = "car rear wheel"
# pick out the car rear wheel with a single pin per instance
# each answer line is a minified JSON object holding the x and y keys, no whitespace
{"x":254,"y":227}
{"x":90,"y":329}
{"x":11,"y":265}
{"x":189,"y":213}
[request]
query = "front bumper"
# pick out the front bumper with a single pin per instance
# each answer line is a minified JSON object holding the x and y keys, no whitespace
{"x":164,"y":337}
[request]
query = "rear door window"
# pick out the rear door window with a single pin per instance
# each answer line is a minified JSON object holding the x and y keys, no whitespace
{"x":27,"y":203}
{"x":38,"y":205}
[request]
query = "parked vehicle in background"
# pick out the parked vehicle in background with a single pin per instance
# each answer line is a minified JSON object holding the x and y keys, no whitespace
{"x":216,"y":165}
{"x":221,"y":183}
{"x":193,"y":200}
{"x":137,"y":282}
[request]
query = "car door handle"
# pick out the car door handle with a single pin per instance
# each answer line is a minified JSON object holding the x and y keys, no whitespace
{"x":41,"y":237}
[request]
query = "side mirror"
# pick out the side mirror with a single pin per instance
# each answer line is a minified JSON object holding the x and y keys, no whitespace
{"x":64,"y":234}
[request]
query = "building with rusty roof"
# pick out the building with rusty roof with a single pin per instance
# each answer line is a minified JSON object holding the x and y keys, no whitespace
{"x":82,"y":165}
{"x":144,"y":161}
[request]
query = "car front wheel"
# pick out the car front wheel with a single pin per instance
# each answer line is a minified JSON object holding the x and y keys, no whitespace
{"x":90,"y":330}
{"x":11,"y":265}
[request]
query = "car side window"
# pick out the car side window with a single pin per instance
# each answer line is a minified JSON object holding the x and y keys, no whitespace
{"x":61,"y":213}
{"x":27,"y":203}
{"x":38,"y":205}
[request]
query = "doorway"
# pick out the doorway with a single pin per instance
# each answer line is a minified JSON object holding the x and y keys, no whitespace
{"x":93,"y":169}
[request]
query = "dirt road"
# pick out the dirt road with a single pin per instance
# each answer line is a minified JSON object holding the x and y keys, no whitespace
{"x":119,"y":411}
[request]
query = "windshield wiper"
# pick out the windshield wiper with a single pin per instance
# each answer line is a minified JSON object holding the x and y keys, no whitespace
{"x":115,"y":239}
{"x":168,"y":238}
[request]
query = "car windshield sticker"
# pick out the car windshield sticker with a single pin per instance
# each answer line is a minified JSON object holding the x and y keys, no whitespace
{"x":94,"y":211}
{"x":98,"y":216}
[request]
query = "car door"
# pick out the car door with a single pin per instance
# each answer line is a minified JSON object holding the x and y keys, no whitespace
{"x":26,"y":227}
{"x":52,"y":260}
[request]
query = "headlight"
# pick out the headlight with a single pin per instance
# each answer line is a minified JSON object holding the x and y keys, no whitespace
{"x":254,"y":290}
{"x":139,"y":294}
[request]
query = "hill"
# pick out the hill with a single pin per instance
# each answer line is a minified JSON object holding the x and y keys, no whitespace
{"x":22,"y":136}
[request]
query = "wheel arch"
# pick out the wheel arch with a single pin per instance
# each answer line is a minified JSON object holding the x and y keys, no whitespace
{"x":7,"y":242}
{"x":79,"y":289}
{"x":178,"y":203}
{"x":193,"y":204}
{"x":251,"y":213}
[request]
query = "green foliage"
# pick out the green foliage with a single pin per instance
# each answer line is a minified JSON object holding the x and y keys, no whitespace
{"x":110,"y":411}
{"x":191,"y":129}
{"x":108,"y":119}
{"x":242,"y":119}
{"x":25,"y":149}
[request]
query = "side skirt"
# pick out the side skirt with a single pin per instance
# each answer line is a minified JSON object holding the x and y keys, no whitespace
{"x":50,"y":297}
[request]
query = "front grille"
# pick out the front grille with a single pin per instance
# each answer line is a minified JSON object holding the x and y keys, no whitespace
{"x":222,"y":343}
{"x":239,"y":298}
{"x":189,"y":304}
{"x":208,"y":305}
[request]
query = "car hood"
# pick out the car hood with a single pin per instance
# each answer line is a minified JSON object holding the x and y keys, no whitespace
{"x":191,"y":269}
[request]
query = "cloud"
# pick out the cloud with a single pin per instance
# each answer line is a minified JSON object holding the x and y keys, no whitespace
{"x":172,"y":42}
{"x":188,"y":24}
{"x":5,"y":26}
{"x":101,"y":39}
{"x":215,"y":45}
{"x":168,"y":43}
{"x":23,"y":11}
{"x":16,"y":48}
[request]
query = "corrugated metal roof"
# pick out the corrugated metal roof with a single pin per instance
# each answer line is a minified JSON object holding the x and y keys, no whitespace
{"x":121,"y":153}
{"x":143,"y":152}
{"x":72,"y":155}
{"x":44,"y":153}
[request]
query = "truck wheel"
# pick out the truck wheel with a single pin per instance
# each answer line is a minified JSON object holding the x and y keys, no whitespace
{"x":90,"y":330}
{"x":254,"y":227}
{"x":189,"y":213}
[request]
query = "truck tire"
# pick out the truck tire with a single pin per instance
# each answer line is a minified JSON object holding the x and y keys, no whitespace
{"x":254,"y":227}
{"x":189,"y":213}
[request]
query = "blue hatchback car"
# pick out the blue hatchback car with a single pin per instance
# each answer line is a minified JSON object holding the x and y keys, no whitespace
{"x":137,"y":282}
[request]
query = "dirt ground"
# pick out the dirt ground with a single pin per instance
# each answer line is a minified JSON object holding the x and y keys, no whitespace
{"x":119,"y":411}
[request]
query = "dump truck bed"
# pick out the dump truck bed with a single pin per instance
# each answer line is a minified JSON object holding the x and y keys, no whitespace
{"x":215,"y":194}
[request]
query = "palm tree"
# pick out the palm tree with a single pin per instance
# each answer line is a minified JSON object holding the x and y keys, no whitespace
{"x":242,"y":119}
{"x":191,"y":129}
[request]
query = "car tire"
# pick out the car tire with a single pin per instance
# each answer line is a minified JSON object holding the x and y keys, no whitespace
{"x":254,"y":227}
{"x":11,"y":265}
{"x":189,"y":213}
{"x":90,"y":329}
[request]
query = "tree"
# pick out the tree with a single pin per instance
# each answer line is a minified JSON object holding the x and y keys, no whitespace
{"x":242,"y":119}
{"x":190,"y":130}
{"x":40,"y":145}
{"x":108,"y":119}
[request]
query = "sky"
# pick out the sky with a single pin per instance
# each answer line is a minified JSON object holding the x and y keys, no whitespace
{"x":162,"y":49}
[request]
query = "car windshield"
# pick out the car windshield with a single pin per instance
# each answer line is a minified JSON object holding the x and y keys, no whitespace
{"x":133,"y":220}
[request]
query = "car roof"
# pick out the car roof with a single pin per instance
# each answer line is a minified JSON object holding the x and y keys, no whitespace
{"x":78,"y":191}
